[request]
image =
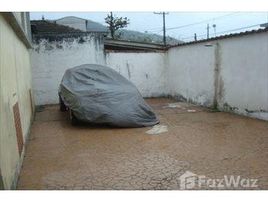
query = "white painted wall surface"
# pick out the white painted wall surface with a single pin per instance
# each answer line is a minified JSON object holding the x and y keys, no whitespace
{"x":244,"y":70}
{"x":243,"y":74}
{"x":51,"y":59}
{"x":146,"y":70}
{"x":185,"y":72}
{"x":190,"y":73}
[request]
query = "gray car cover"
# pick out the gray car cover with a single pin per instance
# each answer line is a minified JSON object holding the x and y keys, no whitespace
{"x":98,"y":94}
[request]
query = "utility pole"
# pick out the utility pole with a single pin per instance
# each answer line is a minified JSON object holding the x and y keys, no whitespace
{"x":164,"y":25}
{"x":214,"y":27}
{"x":207,"y":31}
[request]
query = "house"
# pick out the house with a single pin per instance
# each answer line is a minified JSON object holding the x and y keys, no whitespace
{"x":126,"y":45}
{"x":16,"y":97}
{"x":83,"y":24}
{"x":43,"y":29}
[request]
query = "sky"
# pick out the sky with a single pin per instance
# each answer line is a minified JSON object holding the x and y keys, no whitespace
{"x":180,"y":25}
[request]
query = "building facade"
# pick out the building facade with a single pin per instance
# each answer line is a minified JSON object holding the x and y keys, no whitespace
{"x":16,"y":102}
{"x":83,"y":25}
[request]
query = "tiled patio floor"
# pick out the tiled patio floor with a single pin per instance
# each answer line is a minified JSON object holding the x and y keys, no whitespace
{"x":214,"y":144}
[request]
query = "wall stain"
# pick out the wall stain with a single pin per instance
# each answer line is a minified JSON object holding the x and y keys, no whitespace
{"x":218,"y":81}
{"x":228,"y":108}
{"x":128,"y":71}
{"x":221,"y":91}
{"x":180,"y":98}
{"x":49,"y":44}
{"x":256,"y":111}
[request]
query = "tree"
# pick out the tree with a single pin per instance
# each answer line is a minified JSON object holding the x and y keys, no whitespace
{"x":115,"y":23}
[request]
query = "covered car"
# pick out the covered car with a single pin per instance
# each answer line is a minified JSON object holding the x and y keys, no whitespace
{"x":98,"y":94}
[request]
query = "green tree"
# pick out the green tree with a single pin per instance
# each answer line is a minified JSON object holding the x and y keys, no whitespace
{"x":115,"y":23}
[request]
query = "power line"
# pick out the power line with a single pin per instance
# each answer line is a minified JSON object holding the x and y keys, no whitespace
{"x":231,"y":30}
{"x":195,"y":23}
{"x":201,"y":22}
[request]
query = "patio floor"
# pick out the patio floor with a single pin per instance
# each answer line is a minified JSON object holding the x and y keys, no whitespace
{"x":194,"y":140}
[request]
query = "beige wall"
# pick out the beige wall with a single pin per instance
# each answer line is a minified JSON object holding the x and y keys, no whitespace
{"x":15,"y":82}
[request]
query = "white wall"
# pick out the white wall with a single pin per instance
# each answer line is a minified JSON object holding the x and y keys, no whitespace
{"x":190,"y":73}
{"x":244,"y":72}
{"x":232,"y":71}
{"x":51,"y":59}
{"x":230,"y":74}
{"x":146,"y":70}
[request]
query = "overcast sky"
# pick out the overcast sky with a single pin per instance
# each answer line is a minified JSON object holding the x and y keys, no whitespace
{"x":192,"y":22}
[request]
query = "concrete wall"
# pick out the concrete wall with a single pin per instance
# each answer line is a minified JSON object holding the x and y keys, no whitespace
{"x":51,"y":59}
{"x":190,"y":73}
{"x":22,"y":19}
{"x":226,"y":74}
{"x":146,"y":70}
{"x":15,"y":82}
{"x":243,"y":71}
{"x":229,"y":74}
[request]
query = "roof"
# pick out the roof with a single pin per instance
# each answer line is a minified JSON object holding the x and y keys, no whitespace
{"x":261,"y":30}
{"x":71,"y":17}
{"x":91,"y":26}
{"x":124,"y":45}
{"x":45,"y":27}
{"x":16,"y":26}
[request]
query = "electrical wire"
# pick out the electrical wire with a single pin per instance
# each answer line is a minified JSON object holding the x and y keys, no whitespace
{"x":195,"y":23}
{"x":231,"y":30}
{"x":200,"y":22}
